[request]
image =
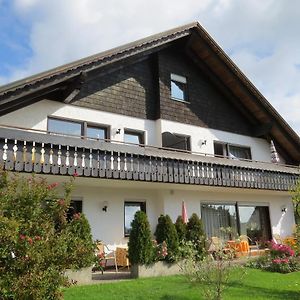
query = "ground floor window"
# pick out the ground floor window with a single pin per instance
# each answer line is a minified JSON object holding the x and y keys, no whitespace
{"x":130,"y":208}
{"x":230,"y":220}
{"x":75,"y":207}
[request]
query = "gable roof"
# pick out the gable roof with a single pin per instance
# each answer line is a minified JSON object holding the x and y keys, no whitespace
{"x":204,"y":51}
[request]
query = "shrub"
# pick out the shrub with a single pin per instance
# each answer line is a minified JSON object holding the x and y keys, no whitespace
{"x":280,"y":259}
{"x":166,"y":232}
{"x":140,"y":248}
{"x":81,"y":248}
{"x":35,"y":238}
{"x":181,"y":229}
{"x":161,"y":250}
{"x":196,"y":235}
{"x":212,"y":276}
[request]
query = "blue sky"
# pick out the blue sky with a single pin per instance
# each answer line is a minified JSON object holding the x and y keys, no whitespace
{"x":262,"y":37}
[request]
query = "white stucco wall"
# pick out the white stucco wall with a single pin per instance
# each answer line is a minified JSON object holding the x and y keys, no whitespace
{"x":166,"y":199}
{"x":35,"y":117}
{"x":260,"y":148}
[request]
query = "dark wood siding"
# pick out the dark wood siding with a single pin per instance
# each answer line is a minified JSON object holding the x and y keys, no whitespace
{"x":133,"y":91}
{"x":129,"y":91}
{"x":208,"y":107}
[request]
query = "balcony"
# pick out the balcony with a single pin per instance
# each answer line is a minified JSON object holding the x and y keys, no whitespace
{"x":35,"y":151}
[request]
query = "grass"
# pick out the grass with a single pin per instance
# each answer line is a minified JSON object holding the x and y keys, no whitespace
{"x":256,"y":284}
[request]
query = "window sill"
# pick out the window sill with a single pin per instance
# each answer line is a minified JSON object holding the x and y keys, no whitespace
{"x":179,"y":100}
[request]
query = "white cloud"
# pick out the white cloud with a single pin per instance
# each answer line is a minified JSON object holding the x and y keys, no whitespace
{"x":262,"y":37}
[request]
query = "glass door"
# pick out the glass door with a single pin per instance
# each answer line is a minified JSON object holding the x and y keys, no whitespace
{"x":255,"y":222}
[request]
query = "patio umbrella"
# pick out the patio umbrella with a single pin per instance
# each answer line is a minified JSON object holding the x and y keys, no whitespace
{"x":183,"y":213}
{"x":274,"y":154}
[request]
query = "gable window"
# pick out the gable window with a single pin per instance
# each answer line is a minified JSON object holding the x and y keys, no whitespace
{"x":64,"y":127}
{"x":179,"y":87}
{"x":77,"y":128}
{"x":134,"y":137}
{"x":130,"y":208}
{"x":232,"y":151}
{"x":176,"y":141}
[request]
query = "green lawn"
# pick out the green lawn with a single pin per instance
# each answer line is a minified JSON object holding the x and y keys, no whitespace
{"x":256,"y":284}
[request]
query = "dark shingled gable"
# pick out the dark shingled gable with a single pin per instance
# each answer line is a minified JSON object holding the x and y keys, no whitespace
{"x":206,"y":109}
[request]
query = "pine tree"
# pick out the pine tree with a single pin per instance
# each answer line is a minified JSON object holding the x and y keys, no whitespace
{"x":181,"y":229}
{"x":140,"y":248}
{"x":196,"y":235}
{"x":166,"y":231}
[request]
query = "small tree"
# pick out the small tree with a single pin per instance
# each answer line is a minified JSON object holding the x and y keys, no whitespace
{"x":181,"y":229}
{"x":81,"y":247}
{"x":295,"y":192}
{"x":166,"y":232}
{"x":212,"y":276}
{"x":196,"y":235}
{"x":36,"y":239}
{"x":140,"y":248}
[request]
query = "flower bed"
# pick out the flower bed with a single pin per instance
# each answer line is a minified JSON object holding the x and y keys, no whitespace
{"x":281,"y":258}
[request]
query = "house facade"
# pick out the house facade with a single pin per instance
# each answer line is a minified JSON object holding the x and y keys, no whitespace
{"x":166,"y":119}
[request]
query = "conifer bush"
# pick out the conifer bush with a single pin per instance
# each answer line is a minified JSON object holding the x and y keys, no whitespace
{"x":166,"y":232}
{"x":196,"y":234}
{"x":140,"y":247}
{"x":181,"y":229}
{"x":36,"y":241}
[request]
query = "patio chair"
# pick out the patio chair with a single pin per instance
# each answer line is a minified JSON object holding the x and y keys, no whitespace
{"x":253,"y":245}
{"x":122,"y":257}
{"x":216,"y":246}
{"x":108,"y":254}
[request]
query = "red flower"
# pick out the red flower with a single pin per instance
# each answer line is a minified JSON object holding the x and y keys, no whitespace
{"x":30,"y":241}
{"x":37,"y":238}
{"x":75,"y":174}
{"x":52,"y":186}
{"x":22,"y":237}
{"x":61,"y":202}
{"x":76,"y":216}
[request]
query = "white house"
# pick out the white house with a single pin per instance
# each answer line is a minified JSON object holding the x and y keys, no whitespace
{"x":150,"y":124}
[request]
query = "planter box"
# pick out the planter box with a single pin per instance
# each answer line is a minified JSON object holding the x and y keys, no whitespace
{"x":82,"y":276}
{"x":159,"y":268}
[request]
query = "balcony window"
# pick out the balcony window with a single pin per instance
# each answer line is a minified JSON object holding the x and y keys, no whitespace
{"x":64,"y":127}
{"x":96,"y":132}
{"x":232,"y":151}
{"x":130,"y":208}
{"x":179,"y":88}
{"x":134,"y":137}
{"x":76,"y":128}
{"x":176,"y":141}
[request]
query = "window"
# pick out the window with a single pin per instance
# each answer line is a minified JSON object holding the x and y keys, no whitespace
{"x":179,"y":87}
{"x":133,"y":137}
{"x":228,"y":220}
{"x":130,"y":208}
{"x":217,"y":218}
{"x":176,"y":141}
{"x":96,"y":132}
{"x":75,"y":207}
{"x":255,"y":222}
{"x":70,"y":127}
{"x":64,"y":127}
{"x":232,"y":151}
